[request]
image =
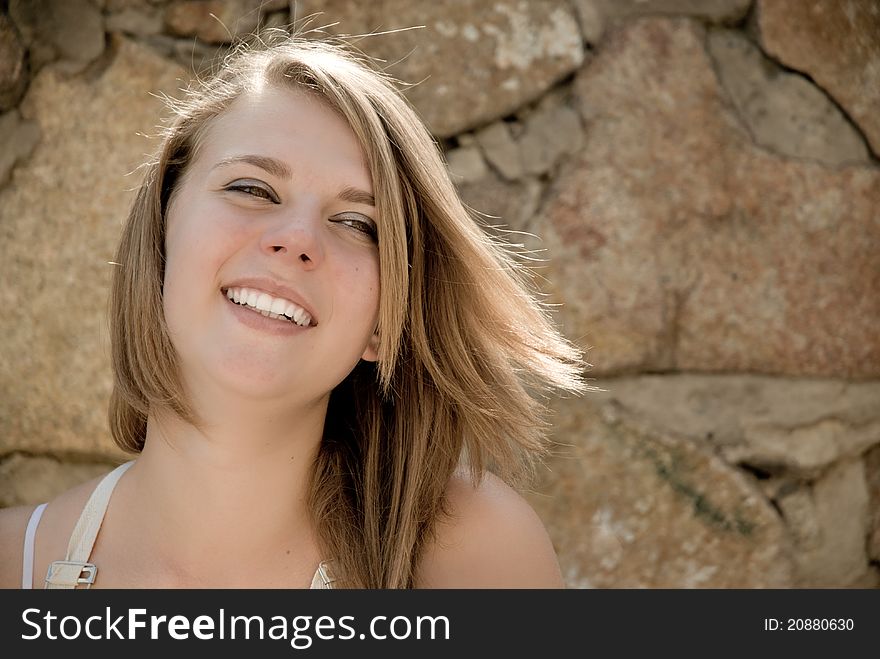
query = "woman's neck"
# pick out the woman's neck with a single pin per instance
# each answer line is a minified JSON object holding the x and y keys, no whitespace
{"x":236,"y":490}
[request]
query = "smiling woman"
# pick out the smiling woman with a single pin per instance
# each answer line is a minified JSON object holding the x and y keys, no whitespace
{"x":263,"y":201}
{"x":320,"y":359}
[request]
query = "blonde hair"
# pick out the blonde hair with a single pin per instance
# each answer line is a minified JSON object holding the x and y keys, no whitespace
{"x":466,"y":349}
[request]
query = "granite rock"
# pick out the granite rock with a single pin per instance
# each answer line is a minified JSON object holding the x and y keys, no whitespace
{"x":70,"y":29}
{"x":836,"y":555}
{"x":837,"y":44}
{"x":783,"y":111}
{"x":677,"y":243}
{"x":631,"y":507}
{"x":595,"y":16}
{"x":18,"y":137}
{"x":218,"y":21}
{"x":791,"y":426}
{"x":496,"y":56}
{"x":59,"y":225}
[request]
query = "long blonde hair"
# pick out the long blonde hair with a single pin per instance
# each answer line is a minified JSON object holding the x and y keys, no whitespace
{"x":467,"y":351}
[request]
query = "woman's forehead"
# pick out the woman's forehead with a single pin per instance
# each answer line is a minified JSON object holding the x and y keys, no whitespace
{"x":293,"y":127}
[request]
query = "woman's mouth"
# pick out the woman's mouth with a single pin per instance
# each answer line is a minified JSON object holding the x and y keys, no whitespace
{"x":268,"y":306}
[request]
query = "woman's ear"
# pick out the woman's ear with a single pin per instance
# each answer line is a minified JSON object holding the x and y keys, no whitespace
{"x":371,"y":353}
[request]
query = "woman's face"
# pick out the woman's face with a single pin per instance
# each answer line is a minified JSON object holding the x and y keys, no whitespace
{"x":277,"y":202}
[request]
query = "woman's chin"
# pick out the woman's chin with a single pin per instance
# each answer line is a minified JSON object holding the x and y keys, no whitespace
{"x":253,"y":379}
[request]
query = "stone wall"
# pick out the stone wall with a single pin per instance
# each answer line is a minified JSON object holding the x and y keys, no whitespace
{"x":704,"y":180}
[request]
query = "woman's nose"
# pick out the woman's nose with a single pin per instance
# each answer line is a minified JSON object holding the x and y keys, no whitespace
{"x":295,"y":239}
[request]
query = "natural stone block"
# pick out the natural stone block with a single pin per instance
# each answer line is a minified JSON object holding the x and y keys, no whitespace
{"x":466,"y":164}
{"x":496,"y":56}
{"x":501,"y":150}
{"x":784,"y":111}
{"x":838,"y":558}
{"x":70,"y":29}
{"x":677,"y":244}
{"x":837,"y":44}
{"x":799,"y":512}
{"x":59,"y":225}
{"x":218,"y":21}
{"x":509,"y":205}
{"x":590,"y":19}
{"x":780,"y":426}
{"x":628,"y":506}
{"x":596,"y":15}
{"x":550,"y":133}
{"x":18,"y":137}
{"x":141,"y":20}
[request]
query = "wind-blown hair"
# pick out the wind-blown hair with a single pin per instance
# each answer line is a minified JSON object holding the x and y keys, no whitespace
{"x":466,"y":355}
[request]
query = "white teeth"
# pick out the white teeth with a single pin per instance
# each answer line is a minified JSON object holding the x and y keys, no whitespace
{"x":264,"y":302}
{"x":302,"y":317}
{"x":269,"y":306}
{"x":278,"y":306}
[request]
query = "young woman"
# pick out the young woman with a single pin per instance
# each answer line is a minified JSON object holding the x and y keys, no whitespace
{"x":320,"y":359}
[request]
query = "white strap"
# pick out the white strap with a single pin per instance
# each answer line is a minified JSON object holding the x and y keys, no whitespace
{"x":75,"y":568}
{"x":27,"y":564}
{"x":86,"y":530}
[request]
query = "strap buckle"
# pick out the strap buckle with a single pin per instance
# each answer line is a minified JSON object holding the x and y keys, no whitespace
{"x":72,"y":573}
{"x":325,"y":575}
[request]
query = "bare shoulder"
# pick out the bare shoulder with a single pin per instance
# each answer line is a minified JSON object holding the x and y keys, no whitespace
{"x":491,"y":539}
{"x":53,"y":532}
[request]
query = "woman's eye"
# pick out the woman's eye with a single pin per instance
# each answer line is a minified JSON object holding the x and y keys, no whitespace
{"x":252,"y":190}
{"x":360,"y":223}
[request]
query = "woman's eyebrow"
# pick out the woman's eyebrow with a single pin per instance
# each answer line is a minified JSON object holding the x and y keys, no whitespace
{"x":273,"y":166}
{"x":356,"y":196}
{"x":281,"y":170}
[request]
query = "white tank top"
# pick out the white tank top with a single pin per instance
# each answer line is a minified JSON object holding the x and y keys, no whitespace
{"x":76,"y":570}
